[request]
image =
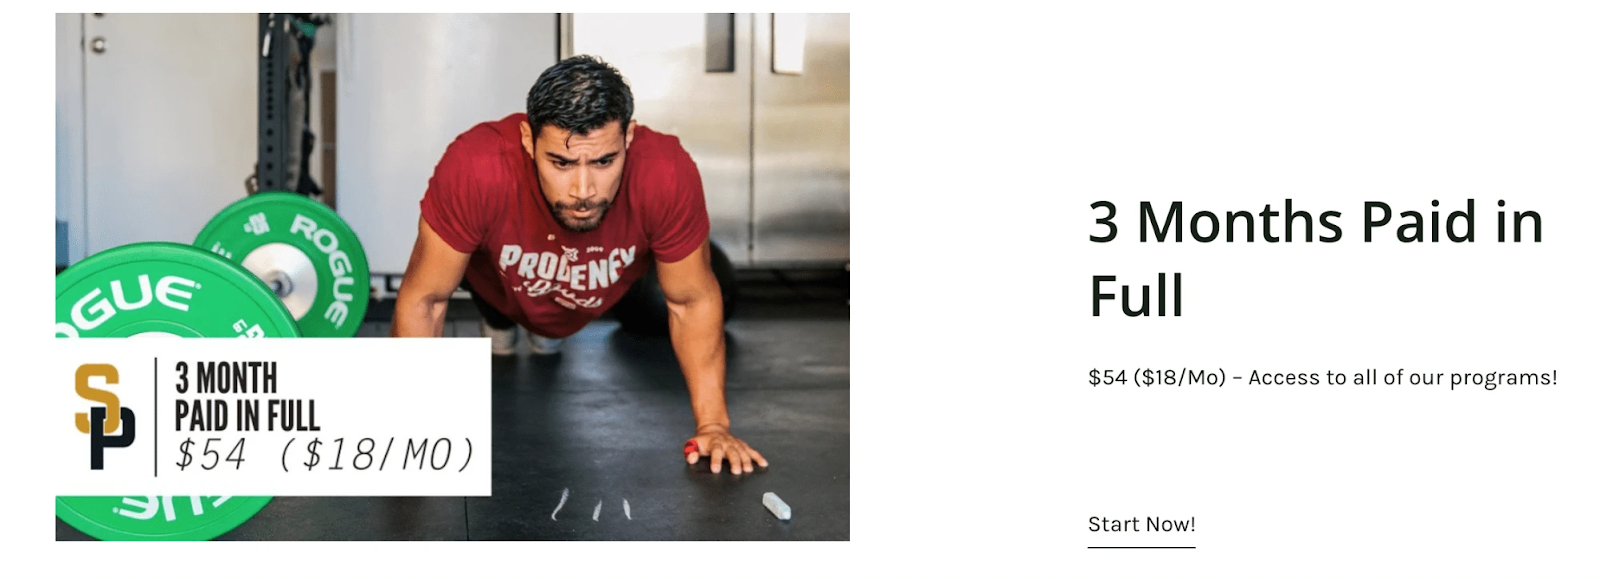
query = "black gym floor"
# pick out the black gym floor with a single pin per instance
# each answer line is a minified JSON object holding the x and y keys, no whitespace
{"x":605,"y":422}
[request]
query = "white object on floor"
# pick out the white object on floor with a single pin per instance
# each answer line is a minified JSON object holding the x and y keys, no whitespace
{"x":625,"y":511}
{"x":779,"y":508}
{"x":559,"y":505}
{"x":597,"y":510}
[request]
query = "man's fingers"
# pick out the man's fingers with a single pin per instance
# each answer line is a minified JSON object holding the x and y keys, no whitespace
{"x":740,"y":457}
{"x":691,"y":451}
{"x":744,"y":458}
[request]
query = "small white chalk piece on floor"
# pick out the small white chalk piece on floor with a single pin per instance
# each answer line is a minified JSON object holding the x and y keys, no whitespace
{"x":560,"y":504}
{"x":597,"y":510}
{"x":779,"y":508}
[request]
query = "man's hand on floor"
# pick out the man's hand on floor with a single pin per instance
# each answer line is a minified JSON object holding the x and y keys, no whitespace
{"x":717,"y":443}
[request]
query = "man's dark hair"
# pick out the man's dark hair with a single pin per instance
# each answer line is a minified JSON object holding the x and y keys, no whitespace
{"x":579,"y":94}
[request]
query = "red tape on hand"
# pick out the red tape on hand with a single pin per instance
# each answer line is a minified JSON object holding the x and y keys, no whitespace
{"x":690,"y":447}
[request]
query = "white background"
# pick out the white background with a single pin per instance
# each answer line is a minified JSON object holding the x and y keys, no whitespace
{"x":408,"y":391}
{"x":981,"y":134}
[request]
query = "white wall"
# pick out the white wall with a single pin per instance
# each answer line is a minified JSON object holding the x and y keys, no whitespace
{"x":69,"y":135}
{"x":170,"y":121}
{"x":421,"y":80}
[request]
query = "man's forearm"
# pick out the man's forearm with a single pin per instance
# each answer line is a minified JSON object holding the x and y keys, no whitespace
{"x":418,"y":317}
{"x":698,"y":341}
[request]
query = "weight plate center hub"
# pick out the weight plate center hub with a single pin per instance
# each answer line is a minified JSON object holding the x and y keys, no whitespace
{"x":289,"y":272}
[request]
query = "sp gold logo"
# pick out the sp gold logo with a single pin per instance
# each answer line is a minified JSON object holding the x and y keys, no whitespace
{"x":100,"y":421}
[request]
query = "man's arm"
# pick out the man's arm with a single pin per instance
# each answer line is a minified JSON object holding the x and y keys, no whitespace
{"x":694,"y":303}
{"x":432,"y":275}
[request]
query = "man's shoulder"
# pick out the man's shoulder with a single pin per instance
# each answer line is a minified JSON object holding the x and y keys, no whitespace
{"x":668,"y":192}
{"x":657,"y":155}
{"x":483,"y":147}
{"x":492,"y":136}
{"x":651,"y":141}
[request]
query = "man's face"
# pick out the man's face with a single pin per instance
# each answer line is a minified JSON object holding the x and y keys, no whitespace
{"x":579,"y":174}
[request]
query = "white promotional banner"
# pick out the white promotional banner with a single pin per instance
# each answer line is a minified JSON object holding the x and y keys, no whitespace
{"x":302,"y":417}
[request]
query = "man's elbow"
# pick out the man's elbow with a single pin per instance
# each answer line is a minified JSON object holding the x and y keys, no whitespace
{"x":416,"y":310}
{"x":437,"y":306}
{"x":690,"y":304}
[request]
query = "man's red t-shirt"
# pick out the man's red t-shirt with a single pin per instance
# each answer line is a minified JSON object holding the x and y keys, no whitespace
{"x":484,"y":199}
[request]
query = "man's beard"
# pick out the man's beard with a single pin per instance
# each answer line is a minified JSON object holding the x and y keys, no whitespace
{"x":560,"y":210}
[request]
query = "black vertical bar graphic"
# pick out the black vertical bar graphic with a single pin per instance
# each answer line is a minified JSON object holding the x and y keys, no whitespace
{"x":155,"y":392}
{"x":274,"y":119}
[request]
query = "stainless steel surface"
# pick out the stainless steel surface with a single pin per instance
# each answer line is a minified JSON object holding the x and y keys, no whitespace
{"x":719,"y":42}
{"x":408,"y":85}
{"x":663,"y":56}
{"x":169,"y":124}
{"x":288,"y":271}
{"x":801,"y":198}
{"x":70,"y":199}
